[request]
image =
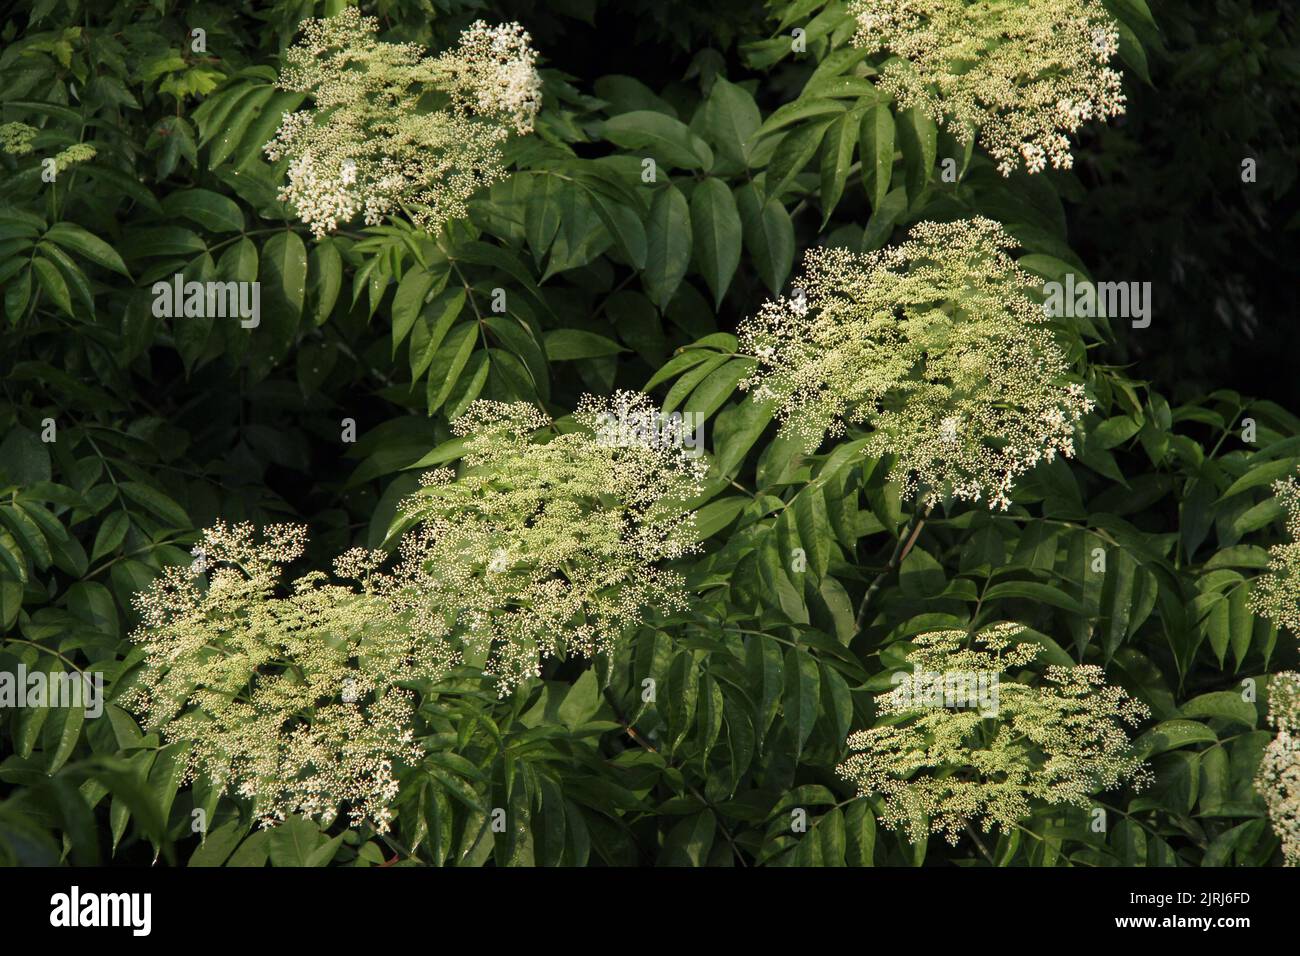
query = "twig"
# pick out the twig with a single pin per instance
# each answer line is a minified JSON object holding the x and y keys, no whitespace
{"x":901,"y":551}
{"x":980,"y":843}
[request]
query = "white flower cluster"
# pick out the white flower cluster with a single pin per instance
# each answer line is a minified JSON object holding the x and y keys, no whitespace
{"x":1278,"y":777}
{"x":1056,"y":739}
{"x":291,"y":702}
{"x":373,"y":144}
{"x":543,"y":547}
{"x":936,"y":345}
{"x":1276,"y":593}
{"x":1023,"y":73}
{"x":16,"y":138}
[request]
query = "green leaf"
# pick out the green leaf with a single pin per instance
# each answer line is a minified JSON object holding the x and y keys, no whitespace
{"x":78,"y":283}
{"x":798,"y":111}
{"x":210,"y":210}
{"x":296,"y":842}
{"x":729,"y":119}
{"x":831,"y":831}
{"x":666,"y":139}
{"x":1263,"y":474}
{"x":24,"y":458}
{"x":883,"y":219}
{"x":110,"y":534}
{"x":683,"y":361}
{"x":78,"y":240}
{"x":1131,"y":52}
{"x":919,"y":139}
{"x":625,"y":226}
{"x":162,"y":241}
{"x":685,"y":385}
{"x":569,"y":344}
{"x":431,"y":329}
{"x":1262,"y":514}
{"x":920,"y":575}
{"x":93,"y":604}
{"x":242,"y":116}
{"x":1032,"y":591}
{"x":28,"y":535}
{"x":11,"y":559}
{"x":860,"y":829}
{"x":17,"y":294}
{"x":448,"y":362}
{"x":1171,"y":735}
{"x":769,"y":236}
{"x":668,"y":245}
{"x":734,"y":432}
{"x":792,"y":154}
{"x":716,"y":515}
{"x":800,"y":696}
{"x":65,"y":727}
{"x":157,"y":502}
{"x":1239,"y":556}
{"x":284,"y":287}
{"x":1127,"y":597}
{"x":410,"y":298}
{"x":717,"y":387}
{"x":542,"y":212}
{"x":239,"y":262}
{"x":837,"y":158}
{"x":51,"y":282}
{"x":688,"y":843}
{"x":326,"y":278}
{"x":716,"y":226}
{"x":1227,"y":704}
{"x":581,"y":702}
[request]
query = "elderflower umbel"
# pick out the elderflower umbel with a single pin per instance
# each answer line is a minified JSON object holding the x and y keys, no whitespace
{"x":290,"y":701}
{"x":16,"y":138}
{"x":1276,"y":594}
{"x":543,"y":547}
{"x":76,"y":153}
{"x":936,"y":345}
{"x":374,"y":143}
{"x":1024,"y":73}
{"x":941,"y":769}
{"x":1278,"y":777}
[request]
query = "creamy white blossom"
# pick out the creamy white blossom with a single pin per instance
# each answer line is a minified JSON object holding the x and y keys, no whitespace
{"x":1276,"y":593}
{"x":1023,"y":73}
{"x":291,"y":702}
{"x":1278,"y":777}
{"x":547,"y":545}
{"x":937,"y":346}
{"x":395,"y":130}
{"x":1057,"y":737}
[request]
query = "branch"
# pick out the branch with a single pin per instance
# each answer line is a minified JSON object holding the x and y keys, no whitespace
{"x":901,"y":551}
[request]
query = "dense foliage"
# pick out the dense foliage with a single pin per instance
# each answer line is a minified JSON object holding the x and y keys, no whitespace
{"x":494,"y":610}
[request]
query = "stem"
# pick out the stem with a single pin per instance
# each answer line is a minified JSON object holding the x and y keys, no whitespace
{"x":970,"y":830}
{"x":47,"y":650}
{"x":901,"y":551}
